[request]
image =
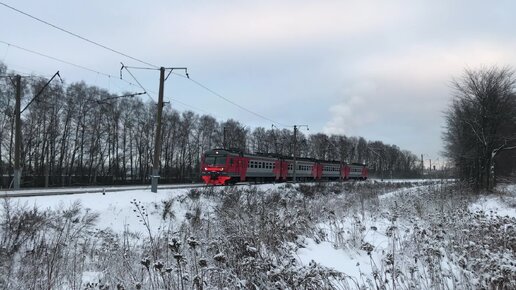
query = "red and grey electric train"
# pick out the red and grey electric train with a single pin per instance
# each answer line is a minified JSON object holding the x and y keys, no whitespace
{"x":222,"y":167}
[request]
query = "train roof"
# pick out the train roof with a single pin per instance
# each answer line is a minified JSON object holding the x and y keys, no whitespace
{"x":222,"y":150}
{"x":279,"y":156}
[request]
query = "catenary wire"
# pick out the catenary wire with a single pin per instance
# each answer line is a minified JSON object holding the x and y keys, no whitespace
{"x":136,"y":80}
{"x":190,"y":106}
{"x":230,"y":101}
{"x":64,"y":61}
{"x":140,"y":85}
{"x":138,"y":60}
{"x":111,"y":76}
{"x":76,"y":35}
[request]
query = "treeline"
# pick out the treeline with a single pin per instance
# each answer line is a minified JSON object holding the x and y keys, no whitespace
{"x":80,"y":134}
{"x":480,"y":133}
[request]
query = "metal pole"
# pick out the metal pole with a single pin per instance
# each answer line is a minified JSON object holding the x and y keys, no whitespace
{"x":17,"y":137}
{"x":224,"y":138}
{"x":422,"y":167}
{"x":157,"y":141}
{"x":295,"y":149}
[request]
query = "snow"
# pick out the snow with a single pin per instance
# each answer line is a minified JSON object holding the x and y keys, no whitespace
{"x":117,"y":211}
{"x":92,"y":278}
{"x":114,"y":208}
{"x":501,"y":205}
{"x":346,"y":261}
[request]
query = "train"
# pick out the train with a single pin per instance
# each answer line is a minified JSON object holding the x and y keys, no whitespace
{"x":224,"y":167}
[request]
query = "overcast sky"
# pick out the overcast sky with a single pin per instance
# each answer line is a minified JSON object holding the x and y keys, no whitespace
{"x":377,"y":69}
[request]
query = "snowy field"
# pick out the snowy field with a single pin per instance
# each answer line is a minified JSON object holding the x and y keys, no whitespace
{"x":418,"y":234}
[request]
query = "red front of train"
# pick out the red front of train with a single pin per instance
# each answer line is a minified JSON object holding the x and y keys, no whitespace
{"x":220,"y":167}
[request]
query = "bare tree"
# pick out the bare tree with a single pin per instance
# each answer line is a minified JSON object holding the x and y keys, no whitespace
{"x":82,"y":134}
{"x":480,"y":123}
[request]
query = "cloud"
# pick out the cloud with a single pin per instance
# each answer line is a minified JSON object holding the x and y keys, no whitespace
{"x":269,"y":24}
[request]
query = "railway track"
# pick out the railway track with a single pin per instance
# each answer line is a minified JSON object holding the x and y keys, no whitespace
{"x":84,"y":190}
{"x":33,"y":192}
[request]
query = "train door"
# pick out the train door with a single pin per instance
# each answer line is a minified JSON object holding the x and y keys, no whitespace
{"x":243,"y":163}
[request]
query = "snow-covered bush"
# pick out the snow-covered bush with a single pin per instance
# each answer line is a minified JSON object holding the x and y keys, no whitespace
{"x":399,"y":235}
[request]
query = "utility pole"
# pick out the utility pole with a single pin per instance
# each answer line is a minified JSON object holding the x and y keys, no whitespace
{"x":224,"y":138}
{"x":422,"y":166}
{"x":17,"y":137}
{"x":157,"y":140}
{"x":274,"y":138}
{"x":295,"y":150}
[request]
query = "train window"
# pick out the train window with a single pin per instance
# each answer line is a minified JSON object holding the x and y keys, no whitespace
{"x":215,"y":160}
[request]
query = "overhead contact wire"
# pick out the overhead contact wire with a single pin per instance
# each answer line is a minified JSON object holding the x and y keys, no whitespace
{"x":63,"y":61}
{"x":136,"y":80}
{"x":231,"y":102}
{"x":76,"y":35}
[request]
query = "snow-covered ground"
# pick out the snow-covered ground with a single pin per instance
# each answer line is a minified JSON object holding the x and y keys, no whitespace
{"x":357,"y":234}
{"x":116,"y":209}
{"x":501,"y":205}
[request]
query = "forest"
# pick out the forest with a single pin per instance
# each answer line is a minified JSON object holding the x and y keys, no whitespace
{"x":78,"y":134}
